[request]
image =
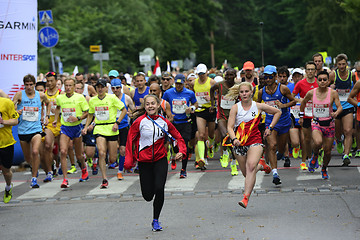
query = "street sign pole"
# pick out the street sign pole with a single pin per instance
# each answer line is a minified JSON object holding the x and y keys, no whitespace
{"x":101,"y":68}
{"x":46,"y":17}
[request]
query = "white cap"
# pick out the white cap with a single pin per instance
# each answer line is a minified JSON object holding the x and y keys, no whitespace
{"x":298,"y":70}
{"x":201,"y":68}
{"x":218,"y":79}
{"x":128,"y":78}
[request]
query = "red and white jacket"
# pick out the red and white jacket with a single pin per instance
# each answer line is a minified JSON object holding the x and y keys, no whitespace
{"x":149,"y":140}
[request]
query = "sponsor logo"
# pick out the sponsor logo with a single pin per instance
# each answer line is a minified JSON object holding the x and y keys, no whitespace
{"x":14,"y":25}
{"x":16,"y":57}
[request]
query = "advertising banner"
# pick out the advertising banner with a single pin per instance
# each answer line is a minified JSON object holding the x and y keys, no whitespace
{"x":18,"y":43}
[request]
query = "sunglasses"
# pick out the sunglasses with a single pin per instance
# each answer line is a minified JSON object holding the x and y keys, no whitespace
{"x":116,"y":87}
{"x":166,"y":79}
{"x":322,"y":79}
{"x":268,"y":77}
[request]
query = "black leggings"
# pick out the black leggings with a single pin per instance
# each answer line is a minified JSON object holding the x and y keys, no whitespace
{"x":152,"y":182}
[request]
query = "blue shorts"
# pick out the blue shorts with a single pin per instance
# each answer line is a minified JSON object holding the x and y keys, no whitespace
{"x":280,"y":128}
{"x":71,"y":131}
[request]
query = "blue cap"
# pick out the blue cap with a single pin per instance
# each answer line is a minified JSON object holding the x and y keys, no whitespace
{"x":179,"y":78}
{"x":113,"y":73}
{"x":270,"y":69}
{"x":116,"y":82}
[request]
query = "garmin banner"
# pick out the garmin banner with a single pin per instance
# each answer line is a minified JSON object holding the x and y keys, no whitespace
{"x":18,"y":43}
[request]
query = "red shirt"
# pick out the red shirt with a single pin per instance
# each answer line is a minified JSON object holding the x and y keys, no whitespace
{"x":302,"y":87}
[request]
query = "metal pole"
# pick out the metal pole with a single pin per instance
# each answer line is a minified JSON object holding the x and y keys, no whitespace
{"x":101,"y":69}
{"x":262,"y":43}
{"x":52,"y":60}
{"x":212,"y":49}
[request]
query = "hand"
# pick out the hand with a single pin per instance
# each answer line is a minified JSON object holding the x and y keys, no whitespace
{"x":212,"y":109}
{"x":84,"y":131}
{"x":54,"y":123}
{"x":279,"y":104}
{"x":90,"y":128}
{"x":179,"y":156}
{"x":19,"y":111}
{"x":115,"y":127}
{"x":267,"y":133}
{"x":72,"y":119}
{"x":188,"y":110}
{"x":46,"y":121}
{"x":301,"y":121}
{"x":334,"y":114}
{"x":236,"y":142}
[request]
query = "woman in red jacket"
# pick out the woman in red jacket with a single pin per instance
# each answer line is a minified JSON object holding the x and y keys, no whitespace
{"x":145,"y":144}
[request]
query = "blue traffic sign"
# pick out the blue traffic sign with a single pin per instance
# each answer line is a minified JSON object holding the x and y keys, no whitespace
{"x":45,"y":17}
{"x":48,"y":37}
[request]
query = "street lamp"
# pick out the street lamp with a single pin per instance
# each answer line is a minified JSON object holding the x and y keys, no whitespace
{"x":262,"y":42}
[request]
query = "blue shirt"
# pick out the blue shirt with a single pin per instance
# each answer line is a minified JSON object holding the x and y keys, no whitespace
{"x":179,"y":101}
{"x":30,"y":119}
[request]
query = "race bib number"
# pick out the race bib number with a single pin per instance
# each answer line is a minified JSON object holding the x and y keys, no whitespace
{"x":272,"y":104}
{"x":52,"y":108}
{"x":321,"y":110}
{"x":343,"y":94}
{"x":202,"y":97}
{"x":179,"y":106}
{"x":308,"y":109}
{"x":295,"y":110}
{"x":226,"y":103}
{"x":102,"y":113}
{"x":67,"y":112}
{"x":31,"y":114}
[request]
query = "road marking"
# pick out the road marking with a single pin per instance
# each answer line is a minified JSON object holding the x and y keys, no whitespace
{"x":313,"y":176}
{"x":46,"y":190}
{"x":238,"y":182}
{"x":174,"y":183}
{"x":29,"y":173}
{"x":115,"y":186}
{"x":358,"y":168}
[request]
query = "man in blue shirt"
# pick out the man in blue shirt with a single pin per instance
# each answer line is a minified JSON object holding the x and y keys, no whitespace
{"x":182,"y":102}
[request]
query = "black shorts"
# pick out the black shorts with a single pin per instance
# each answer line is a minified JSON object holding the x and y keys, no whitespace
{"x":261,"y":127}
{"x":89,"y":139}
{"x":193,"y":126}
{"x":108,"y":138}
{"x":345,"y":112}
{"x":207,"y":115}
{"x":27,"y":137}
{"x":185,"y":130}
{"x":6,"y":156}
{"x":307,"y":123}
{"x":123,"y":133}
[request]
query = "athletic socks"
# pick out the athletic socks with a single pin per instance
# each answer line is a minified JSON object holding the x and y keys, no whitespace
{"x":121,"y":163}
{"x":211,"y":141}
{"x":201,"y":149}
{"x":7,"y":188}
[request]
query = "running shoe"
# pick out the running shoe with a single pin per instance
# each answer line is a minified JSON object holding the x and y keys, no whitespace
{"x":287,"y":162}
{"x":346,"y":160}
{"x":350,"y":154}
{"x":279,"y":156}
{"x":295,"y":152}
{"x":34,"y":183}
{"x":8,"y":194}
{"x":357,"y":154}
{"x":266,"y":168}
{"x":113,"y":165}
{"x":321,"y":157}
{"x":324,"y":174}
{"x":340,"y":147}
{"x":173,"y":164}
{"x":156,"y":226}
{"x":244,"y":201}
{"x":217,"y":147}
{"x":276,"y":179}
{"x":60,"y":172}
{"x":120,"y":176}
{"x":303,"y":166}
{"x":201,"y":163}
{"x":224,"y":160}
{"x":104,"y":184}
{"x":65,"y":184}
{"x":354,"y":145}
{"x":90,"y":162}
{"x":49,"y":177}
{"x":234,"y":171}
{"x":196,"y":165}
{"x":183,"y":173}
{"x":94,"y":169}
{"x":210,"y":151}
{"x":84,"y":175}
{"x":72,"y":170}
{"x":313,"y":162}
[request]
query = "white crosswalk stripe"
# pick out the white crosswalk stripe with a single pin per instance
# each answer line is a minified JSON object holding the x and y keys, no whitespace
{"x":238,"y":182}
{"x":115,"y":186}
{"x":174,"y":183}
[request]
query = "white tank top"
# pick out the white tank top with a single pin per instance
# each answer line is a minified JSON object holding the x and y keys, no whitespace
{"x":245,"y":116}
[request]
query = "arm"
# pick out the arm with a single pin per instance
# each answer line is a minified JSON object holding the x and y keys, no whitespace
{"x":169,"y":115}
{"x":332,"y":79}
{"x":91,"y":91}
{"x":181,"y":143}
{"x":270,"y":110}
{"x":260,"y":95}
{"x":354,"y":92}
{"x":212,"y":96}
{"x":335,"y":97}
{"x":57,"y":114}
{"x":17,"y":100}
{"x":133,"y":135}
{"x":88,"y":121}
{"x":46,"y":101}
{"x":3,"y":94}
{"x":231,"y":124}
{"x":286,"y":92}
{"x":117,"y":123}
{"x":307,"y":98}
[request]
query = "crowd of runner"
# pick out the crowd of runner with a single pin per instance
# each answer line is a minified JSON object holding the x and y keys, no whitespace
{"x":255,"y":118}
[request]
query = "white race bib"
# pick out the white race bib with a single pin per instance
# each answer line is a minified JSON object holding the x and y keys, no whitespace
{"x":179,"y":106}
{"x":226,"y":103}
{"x":202,"y":97}
{"x":272,"y":104}
{"x":67,"y":112}
{"x":343,"y":94}
{"x":308,"y":109}
{"x":321,"y":110}
{"x":102,"y":113}
{"x":52,"y":108}
{"x":295,"y":110}
{"x":30,"y":114}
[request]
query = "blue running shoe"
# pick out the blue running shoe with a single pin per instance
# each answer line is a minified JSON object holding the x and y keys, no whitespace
{"x":114,"y":165}
{"x":49,"y":177}
{"x":34,"y":183}
{"x":324,"y":174}
{"x":313,"y":162}
{"x":276,"y":179}
{"x":156,"y":226}
{"x":60,"y":172}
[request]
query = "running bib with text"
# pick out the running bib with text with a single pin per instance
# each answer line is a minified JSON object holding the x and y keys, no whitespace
{"x":308,"y":109}
{"x":102,"y":113}
{"x":295,"y":110}
{"x":272,"y":104}
{"x":202,"y":97}
{"x":226,"y":103}
{"x":31,"y":114}
{"x":179,"y":106}
{"x":67,"y":112}
{"x":321,"y":110}
{"x":343,"y":94}
{"x":52,"y":108}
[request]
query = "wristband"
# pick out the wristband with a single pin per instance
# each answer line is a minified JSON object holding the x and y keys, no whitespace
{"x":232,"y":140}
{"x":301,"y":114}
{"x":118,"y":123}
{"x":93,"y":124}
{"x":78,"y":118}
{"x":192,"y":108}
{"x":358,"y":104}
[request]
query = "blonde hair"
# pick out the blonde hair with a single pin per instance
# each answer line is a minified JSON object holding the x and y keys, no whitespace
{"x":70,"y":79}
{"x":234,"y":91}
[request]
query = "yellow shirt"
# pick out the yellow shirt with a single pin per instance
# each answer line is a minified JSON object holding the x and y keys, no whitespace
{"x":52,"y":99}
{"x":202,"y":94}
{"x":7,"y":111}
{"x":71,"y":106}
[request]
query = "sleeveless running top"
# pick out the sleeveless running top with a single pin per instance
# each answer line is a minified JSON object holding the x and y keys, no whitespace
{"x":254,"y":83}
{"x":30,"y":119}
{"x":322,"y":109}
{"x":246,"y":125}
{"x":343,"y":88}
{"x":202,"y":94}
{"x":125,"y":121}
{"x":137,"y":96}
{"x":270,"y":100}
